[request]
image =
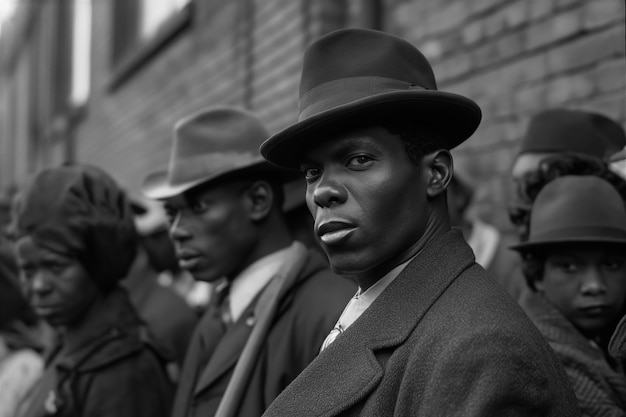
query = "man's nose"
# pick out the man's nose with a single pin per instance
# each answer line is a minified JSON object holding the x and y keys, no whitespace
{"x":328,"y":192}
{"x":178,"y":231}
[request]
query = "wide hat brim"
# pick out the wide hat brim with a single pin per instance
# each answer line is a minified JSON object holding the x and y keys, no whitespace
{"x":453,"y":117}
{"x":157,"y":185}
{"x":532,"y":246}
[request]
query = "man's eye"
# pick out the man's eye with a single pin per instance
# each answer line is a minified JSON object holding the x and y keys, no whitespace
{"x":57,"y":268}
{"x":360,"y":161}
{"x":614,"y":264}
{"x":569,"y":267}
{"x":311,"y":173}
{"x":199,"y":206}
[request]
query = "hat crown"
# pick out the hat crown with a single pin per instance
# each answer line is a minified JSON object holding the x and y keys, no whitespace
{"x":350,"y":53}
{"x":218,"y":130}
{"x":578,"y":208}
{"x":574,"y":131}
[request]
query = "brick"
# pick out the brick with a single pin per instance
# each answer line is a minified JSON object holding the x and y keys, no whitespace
{"x":610,"y":76}
{"x":602,"y":12}
{"x":552,"y":30}
{"x":516,"y":13}
{"x":483,"y":6}
{"x":510,"y":45}
{"x":472,"y":33}
{"x":566,"y":3}
{"x":587,"y":50}
{"x":540,"y":8}
{"x":494,"y":24}
{"x":568,"y":89}
{"x":612,"y":105}
{"x":450,"y":17}
{"x":530,"y":98}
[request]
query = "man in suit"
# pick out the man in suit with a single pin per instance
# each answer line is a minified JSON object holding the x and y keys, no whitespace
{"x":429,"y":332}
{"x":274,"y":301}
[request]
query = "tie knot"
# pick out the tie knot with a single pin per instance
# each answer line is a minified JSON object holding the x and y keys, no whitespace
{"x":222,"y":296}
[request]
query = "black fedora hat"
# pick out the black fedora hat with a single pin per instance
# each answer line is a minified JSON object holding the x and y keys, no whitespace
{"x":358,"y":74}
{"x":565,"y":130}
{"x":209,"y":145}
{"x":576,"y":209}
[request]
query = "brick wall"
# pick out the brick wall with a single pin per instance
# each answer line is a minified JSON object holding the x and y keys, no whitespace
{"x":516,"y":57}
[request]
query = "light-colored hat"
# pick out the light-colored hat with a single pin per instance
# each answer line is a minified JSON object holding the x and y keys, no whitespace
{"x":208,"y":145}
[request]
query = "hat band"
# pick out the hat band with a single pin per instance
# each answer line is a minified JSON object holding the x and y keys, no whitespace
{"x":582,"y":233}
{"x":203,"y":166}
{"x":342,"y":91}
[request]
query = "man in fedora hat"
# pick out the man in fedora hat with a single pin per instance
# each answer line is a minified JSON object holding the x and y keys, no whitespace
{"x":275,"y":300}
{"x":428,"y":333}
{"x":575,"y":263}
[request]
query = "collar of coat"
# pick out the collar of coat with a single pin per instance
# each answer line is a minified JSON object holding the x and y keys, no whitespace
{"x":112,"y":334}
{"x":348,"y":370}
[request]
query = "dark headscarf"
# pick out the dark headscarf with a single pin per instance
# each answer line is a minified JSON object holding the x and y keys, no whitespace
{"x":79,"y":211}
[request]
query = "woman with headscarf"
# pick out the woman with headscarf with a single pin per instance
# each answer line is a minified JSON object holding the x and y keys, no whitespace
{"x":75,"y":240}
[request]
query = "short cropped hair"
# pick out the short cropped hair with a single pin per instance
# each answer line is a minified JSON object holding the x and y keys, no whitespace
{"x":418,"y":141}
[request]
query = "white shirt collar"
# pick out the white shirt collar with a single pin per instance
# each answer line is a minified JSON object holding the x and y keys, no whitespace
{"x":249,"y":283}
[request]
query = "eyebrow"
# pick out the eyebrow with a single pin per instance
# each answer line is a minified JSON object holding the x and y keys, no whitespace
{"x":346,"y":146}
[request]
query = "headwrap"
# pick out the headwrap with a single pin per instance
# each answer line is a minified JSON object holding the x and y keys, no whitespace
{"x":79,"y":211}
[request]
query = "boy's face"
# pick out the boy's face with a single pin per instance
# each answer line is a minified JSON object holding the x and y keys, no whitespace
{"x":367,"y":199}
{"x":587,"y":283}
{"x":211,"y":230}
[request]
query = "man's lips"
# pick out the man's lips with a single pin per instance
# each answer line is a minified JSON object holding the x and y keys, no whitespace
{"x":333,"y":231}
{"x":594,"y":309}
{"x":187,"y":259}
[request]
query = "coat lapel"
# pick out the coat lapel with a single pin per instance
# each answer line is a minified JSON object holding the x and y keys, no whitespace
{"x":227,"y":350}
{"x":348,"y":370}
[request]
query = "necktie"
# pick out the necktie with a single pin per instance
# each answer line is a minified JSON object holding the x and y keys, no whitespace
{"x":223,"y":304}
{"x":336,"y":331}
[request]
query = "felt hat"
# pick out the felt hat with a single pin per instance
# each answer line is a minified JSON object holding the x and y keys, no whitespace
{"x":359,"y":74}
{"x":209,"y":145}
{"x":576,"y":209}
{"x":563,"y":130}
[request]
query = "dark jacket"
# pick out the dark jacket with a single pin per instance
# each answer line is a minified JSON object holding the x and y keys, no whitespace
{"x":108,"y":369}
{"x":307,"y":312}
{"x":599,"y":386}
{"x":444,"y":339}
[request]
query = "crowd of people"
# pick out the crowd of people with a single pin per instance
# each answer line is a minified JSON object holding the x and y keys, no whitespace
{"x":339,"y":271}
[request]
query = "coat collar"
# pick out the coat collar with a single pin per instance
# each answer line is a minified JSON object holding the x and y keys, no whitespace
{"x":92,"y":345}
{"x":229,"y":348}
{"x":347,"y":371}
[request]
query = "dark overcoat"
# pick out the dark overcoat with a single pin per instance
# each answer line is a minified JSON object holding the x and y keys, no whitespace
{"x":115,"y":370}
{"x":306,"y":314}
{"x":444,"y":339}
{"x":599,"y":385}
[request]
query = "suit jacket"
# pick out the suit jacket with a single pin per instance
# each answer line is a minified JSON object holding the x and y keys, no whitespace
{"x":444,"y":339}
{"x":599,"y":386}
{"x":306,"y":314}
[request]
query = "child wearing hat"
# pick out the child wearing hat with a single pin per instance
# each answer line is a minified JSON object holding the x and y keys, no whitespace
{"x":574,"y":261}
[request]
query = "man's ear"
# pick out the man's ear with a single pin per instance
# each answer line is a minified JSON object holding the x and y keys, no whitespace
{"x":260,"y":199}
{"x":439,"y":170}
